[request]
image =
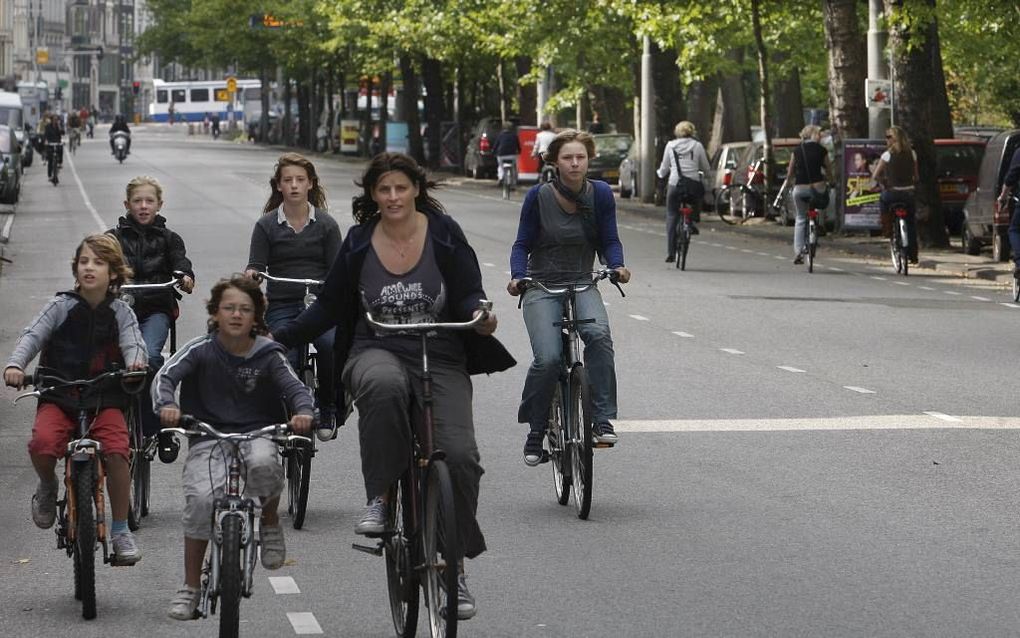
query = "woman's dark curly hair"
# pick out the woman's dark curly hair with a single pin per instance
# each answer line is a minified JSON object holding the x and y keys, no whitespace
{"x":249,"y":287}
{"x":365,"y":208}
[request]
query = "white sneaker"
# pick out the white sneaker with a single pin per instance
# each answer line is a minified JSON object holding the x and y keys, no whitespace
{"x":373,"y":521}
{"x":125,"y":550}
{"x":184,"y":603}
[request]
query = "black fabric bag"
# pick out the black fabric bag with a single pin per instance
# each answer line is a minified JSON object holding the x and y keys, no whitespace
{"x":820,"y":200}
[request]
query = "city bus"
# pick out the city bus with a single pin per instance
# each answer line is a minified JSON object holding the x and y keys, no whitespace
{"x":192,"y":99}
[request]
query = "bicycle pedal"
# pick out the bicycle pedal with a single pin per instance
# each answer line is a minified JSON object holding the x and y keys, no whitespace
{"x":602,"y":444}
{"x":375,"y":551}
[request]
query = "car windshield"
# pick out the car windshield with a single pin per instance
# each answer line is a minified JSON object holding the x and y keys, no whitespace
{"x":617,"y":144}
{"x":958,"y":159}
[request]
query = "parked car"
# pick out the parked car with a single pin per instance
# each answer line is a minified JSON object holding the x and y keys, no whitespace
{"x":956,"y":169}
{"x":479,"y":161}
{"x":782,"y":148}
{"x":610,"y":150}
{"x":725,"y":158}
{"x":27,"y":152}
{"x":10,"y":170}
{"x":983,"y":222}
{"x":981,"y":132}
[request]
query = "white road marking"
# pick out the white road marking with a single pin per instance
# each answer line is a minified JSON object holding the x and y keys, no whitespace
{"x":304,"y":622}
{"x":730,"y":247}
{"x":877,"y":278}
{"x":638,"y":317}
{"x":944,"y":417}
{"x":685,"y":335}
{"x":854,"y":388}
{"x":926,"y":288}
{"x":731,"y":351}
{"x":6,"y":232}
{"x":834,"y":269}
{"x":1009,"y":305}
{"x":746,"y":250}
{"x":790,"y":369}
{"x":952,"y":292}
{"x":779,"y":257}
{"x":489,"y":265}
{"x":85,"y":196}
{"x":763,"y":254}
{"x":979,"y":298}
{"x":901,"y":283}
{"x":873,"y":422}
{"x":284,"y":585}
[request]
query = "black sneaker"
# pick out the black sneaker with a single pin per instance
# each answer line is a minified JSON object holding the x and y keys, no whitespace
{"x":533,"y":451}
{"x":167,"y":447}
{"x":670,"y":259}
{"x":799,"y":259}
{"x":604,"y":433}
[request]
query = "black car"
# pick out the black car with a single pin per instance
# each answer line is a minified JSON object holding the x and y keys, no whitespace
{"x":10,"y":170}
{"x":610,"y":150}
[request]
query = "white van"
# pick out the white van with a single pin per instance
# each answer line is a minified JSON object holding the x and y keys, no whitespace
{"x":11,"y":113}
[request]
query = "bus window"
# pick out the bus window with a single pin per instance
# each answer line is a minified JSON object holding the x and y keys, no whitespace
{"x":199,"y":95}
{"x":161,"y":96}
{"x":177,"y":96}
{"x":222,"y":95}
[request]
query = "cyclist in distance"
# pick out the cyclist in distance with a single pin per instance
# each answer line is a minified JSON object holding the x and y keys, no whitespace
{"x":543,"y":139}
{"x":506,"y":148}
{"x":563,"y":225}
{"x":297,"y":239}
{"x":120,"y":125}
{"x":54,"y":133}
{"x":809,"y":168}
{"x":79,"y":334}
{"x":154,"y":252}
{"x":231,"y":378}
{"x":1008,"y":188}
{"x":682,"y":158}
{"x":897,"y":173}
{"x":407,"y":261}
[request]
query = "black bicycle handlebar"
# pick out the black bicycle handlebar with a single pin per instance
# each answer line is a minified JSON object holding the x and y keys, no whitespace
{"x":278,"y":432}
{"x":38,"y":379}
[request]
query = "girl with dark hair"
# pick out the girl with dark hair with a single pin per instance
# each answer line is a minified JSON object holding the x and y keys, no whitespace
{"x":407,"y":261}
{"x":296,"y":238}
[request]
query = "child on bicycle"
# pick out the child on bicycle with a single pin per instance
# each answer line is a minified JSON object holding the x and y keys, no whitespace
{"x":79,"y":334}
{"x":154,"y":252}
{"x":231,"y":378}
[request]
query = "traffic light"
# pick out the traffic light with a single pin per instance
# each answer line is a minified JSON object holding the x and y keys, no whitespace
{"x":136,"y":86}
{"x":58,"y":94}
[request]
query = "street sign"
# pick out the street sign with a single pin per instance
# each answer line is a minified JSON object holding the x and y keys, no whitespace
{"x":878,"y":93}
{"x":42,"y":55}
{"x":232,"y":84}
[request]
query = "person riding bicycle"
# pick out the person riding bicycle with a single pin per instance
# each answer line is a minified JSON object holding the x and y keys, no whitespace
{"x":407,"y":261}
{"x":506,"y":149}
{"x":897,"y":173}
{"x":53,"y":133}
{"x":79,"y":334}
{"x":543,"y":139}
{"x":563,"y":225}
{"x":682,"y":158}
{"x":231,"y":378}
{"x":154,"y":252}
{"x":809,"y":168}
{"x":73,"y":123}
{"x":1008,"y":188}
{"x":297,"y":239}
{"x":120,"y":126}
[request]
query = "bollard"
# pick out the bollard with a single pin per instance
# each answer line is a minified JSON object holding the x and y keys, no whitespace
{"x":191,"y":128}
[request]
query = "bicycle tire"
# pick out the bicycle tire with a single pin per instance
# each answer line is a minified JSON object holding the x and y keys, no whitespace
{"x":401,"y":577}
{"x":905,"y":261}
{"x":685,"y":247}
{"x":895,"y":251}
{"x":556,"y":449}
{"x":581,"y":440}
{"x":439,"y":537}
{"x":299,"y":470}
{"x":230,"y":577}
{"x":812,"y":245}
{"x":136,"y":505}
{"x":505,"y":183}
{"x":724,"y":204}
{"x":85,"y":538}
{"x":1016,"y":289}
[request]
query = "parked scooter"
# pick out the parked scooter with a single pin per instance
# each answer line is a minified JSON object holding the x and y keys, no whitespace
{"x":120,"y":145}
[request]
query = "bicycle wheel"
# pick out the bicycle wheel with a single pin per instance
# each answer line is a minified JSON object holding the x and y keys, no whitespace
{"x":1016,"y":289}
{"x":581,"y":440}
{"x":139,"y":470}
{"x":559,"y":453}
{"x":85,"y":538}
{"x":727,"y":204}
{"x":895,"y":250}
{"x":401,"y":577}
{"x":230,"y":577}
{"x":440,"y":552}
{"x":812,"y":245}
{"x":685,"y":246}
{"x":505,"y":183}
{"x":299,"y":470}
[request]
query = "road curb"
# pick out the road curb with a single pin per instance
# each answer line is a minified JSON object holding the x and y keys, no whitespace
{"x":6,"y":224}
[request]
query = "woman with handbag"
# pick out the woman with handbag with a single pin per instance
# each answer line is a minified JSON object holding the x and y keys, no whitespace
{"x":809,"y":169}
{"x":685,"y":162}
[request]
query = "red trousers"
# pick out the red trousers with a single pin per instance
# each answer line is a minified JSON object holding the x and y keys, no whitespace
{"x":53,"y":429}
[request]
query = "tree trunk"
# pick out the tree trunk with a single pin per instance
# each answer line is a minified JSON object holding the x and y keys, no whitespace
{"x":913,"y":90}
{"x":733,"y":117}
{"x":527,"y":94}
{"x":409,"y":105}
{"x":701,"y":99}
{"x":669,"y":102}
{"x":432,"y":73}
{"x":788,"y":105}
{"x":763,"y":78}
{"x":941,"y":117}
{"x":848,"y":68}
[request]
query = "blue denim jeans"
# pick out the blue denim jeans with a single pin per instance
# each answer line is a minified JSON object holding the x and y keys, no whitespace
{"x":541,"y":312}
{"x":155,"y":329}
{"x":801,"y":195}
{"x":279,"y":315}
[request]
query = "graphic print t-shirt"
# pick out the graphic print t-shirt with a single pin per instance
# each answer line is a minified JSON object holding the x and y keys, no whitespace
{"x":417,"y":296}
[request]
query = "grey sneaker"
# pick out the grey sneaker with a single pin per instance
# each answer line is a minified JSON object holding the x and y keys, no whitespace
{"x":274,"y":551}
{"x":125,"y":550}
{"x":373,"y":521}
{"x":533,"y":451}
{"x":44,"y":504}
{"x":184,"y":604}
{"x":604,"y":433}
{"x":466,"y":608}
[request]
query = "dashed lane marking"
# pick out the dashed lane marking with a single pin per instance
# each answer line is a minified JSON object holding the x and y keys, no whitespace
{"x":944,"y":417}
{"x":304,"y":622}
{"x":284,"y":585}
{"x":926,"y":288}
{"x":952,"y":292}
{"x":488,"y":264}
{"x":834,"y":269}
{"x":877,"y":278}
{"x":731,"y":351}
{"x":901,"y":283}
{"x":870,"y":422}
{"x":858,"y":389}
{"x":1008,"y":305}
{"x":685,"y":335}
{"x":979,"y":298}
{"x":638,"y":317}
{"x":790,"y":369}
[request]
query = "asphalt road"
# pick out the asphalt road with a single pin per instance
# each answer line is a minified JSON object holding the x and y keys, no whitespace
{"x":801,"y":455}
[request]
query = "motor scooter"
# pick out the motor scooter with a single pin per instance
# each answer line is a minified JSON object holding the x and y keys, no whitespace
{"x":120,"y":145}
